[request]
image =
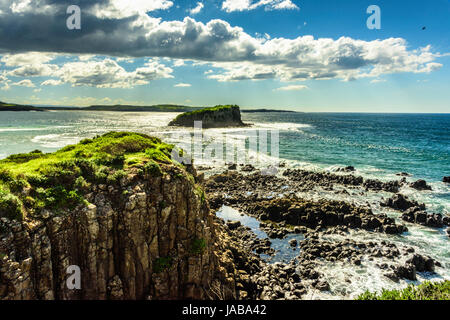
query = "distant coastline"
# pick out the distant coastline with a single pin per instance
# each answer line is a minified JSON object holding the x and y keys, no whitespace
{"x":121,"y":108}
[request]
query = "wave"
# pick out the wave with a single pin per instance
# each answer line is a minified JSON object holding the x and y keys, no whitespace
{"x":32,"y":129}
{"x":55,"y":140}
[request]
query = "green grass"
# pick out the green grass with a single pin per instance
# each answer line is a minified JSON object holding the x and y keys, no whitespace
{"x":198,"y":246}
{"x":58,"y":180}
{"x":162,"y":264}
{"x":425,"y":291}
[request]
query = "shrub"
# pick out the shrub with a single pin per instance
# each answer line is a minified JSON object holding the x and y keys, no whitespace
{"x":25,"y":157}
{"x":153,"y":168}
{"x":198,"y":246}
{"x":10,"y":206}
{"x":425,"y":291}
{"x":162,"y":264}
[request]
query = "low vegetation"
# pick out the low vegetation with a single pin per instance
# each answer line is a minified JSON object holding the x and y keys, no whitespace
{"x":35,"y":181}
{"x":425,"y":291}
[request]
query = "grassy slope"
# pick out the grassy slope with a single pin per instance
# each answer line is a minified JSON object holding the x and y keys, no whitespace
{"x":35,"y":181}
{"x":424,"y":291}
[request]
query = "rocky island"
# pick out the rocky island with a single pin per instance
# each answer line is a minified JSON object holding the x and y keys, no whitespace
{"x":216,"y":117}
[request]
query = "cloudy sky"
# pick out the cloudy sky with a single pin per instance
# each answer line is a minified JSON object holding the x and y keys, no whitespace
{"x":305,"y":55}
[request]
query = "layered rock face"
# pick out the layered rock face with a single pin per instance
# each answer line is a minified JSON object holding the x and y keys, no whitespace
{"x":217,"y":117}
{"x":144,"y":244}
{"x":147,"y":235}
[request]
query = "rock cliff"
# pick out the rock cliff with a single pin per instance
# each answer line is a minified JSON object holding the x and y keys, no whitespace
{"x":217,"y":117}
{"x":136,"y":224}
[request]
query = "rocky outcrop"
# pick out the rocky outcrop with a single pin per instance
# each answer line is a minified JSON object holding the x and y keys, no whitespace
{"x":402,"y":203}
{"x":420,"y":185}
{"x":446,"y":179}
{"x":148,"y":235}
{"x":216,"y":117}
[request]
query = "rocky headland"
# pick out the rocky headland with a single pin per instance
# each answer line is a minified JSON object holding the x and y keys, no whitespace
{"x":136,"y":223}
{"x":140,"y":225}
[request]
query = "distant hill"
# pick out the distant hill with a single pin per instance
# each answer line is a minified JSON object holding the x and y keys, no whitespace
{"x":17,"y":107}
{"x":155,"y":108}
{"x":119,"y":108}
{"x":265,"y":110}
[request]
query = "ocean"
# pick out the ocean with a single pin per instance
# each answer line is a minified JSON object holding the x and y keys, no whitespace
{"x":377,"y":145}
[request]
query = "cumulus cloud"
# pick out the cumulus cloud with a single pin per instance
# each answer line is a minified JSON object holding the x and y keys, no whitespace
{"x":292,"y":88}
{"x":51,"y":82}
{"x":114,"y":9}
{"x":233,"y":52}
{"x":25,"y":83}
{"x":245,"y":5}
{"x":197,"y":9}
{"x":182,"y":85}
{"x":108,"y":73}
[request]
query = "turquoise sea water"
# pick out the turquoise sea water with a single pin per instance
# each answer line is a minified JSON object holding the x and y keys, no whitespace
{"x":377,"y":145}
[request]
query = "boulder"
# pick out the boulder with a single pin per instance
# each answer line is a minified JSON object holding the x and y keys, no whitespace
{"x":420,"y":185}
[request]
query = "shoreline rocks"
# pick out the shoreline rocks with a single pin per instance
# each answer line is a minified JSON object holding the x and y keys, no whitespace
{"x":402,"y":203}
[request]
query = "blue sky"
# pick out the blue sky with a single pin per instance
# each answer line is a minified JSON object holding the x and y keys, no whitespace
{"x":290,"y":54}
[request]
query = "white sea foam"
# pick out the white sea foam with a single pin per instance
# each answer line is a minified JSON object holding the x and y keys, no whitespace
{"x":55,"y":140}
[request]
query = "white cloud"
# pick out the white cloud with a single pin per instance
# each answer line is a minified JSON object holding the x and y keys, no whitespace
{"x":25,"y":83}
{"x":292,"y":88}
{"x":109,"y":74}
{"x":182,"y":85}
{"x":51,"y":82}
{"x":377,"y":80}
{"x":29,"y":58}
{"x":117,"y":9}
{"x":197,"y":9}
{"x":245,"y":5}
{"x":229,"y":50}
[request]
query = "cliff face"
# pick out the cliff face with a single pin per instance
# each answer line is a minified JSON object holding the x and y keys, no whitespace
{"x":146,"y":235}
{"x":217,"y":117}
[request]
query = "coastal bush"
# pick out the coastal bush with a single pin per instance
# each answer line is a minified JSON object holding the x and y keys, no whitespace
{"x":198,"y":246}
{"x":115,"y":176}
{"x":162,"y":264}
{"x":425,"y":291}
{"x":153,"y":168}
{"x":10,"y":205}
{"x":59,"y":198}
{"x":25,"y":157}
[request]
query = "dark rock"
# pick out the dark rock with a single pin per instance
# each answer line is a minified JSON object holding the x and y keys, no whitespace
{"x":408,"y":271}
{"x":248,"y":168}
{"x":322,"y":286}
{"x":232,"y":225}
{"x":402,"y":203}
{"x":446,"y":179}
{"x":420,"y":185}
